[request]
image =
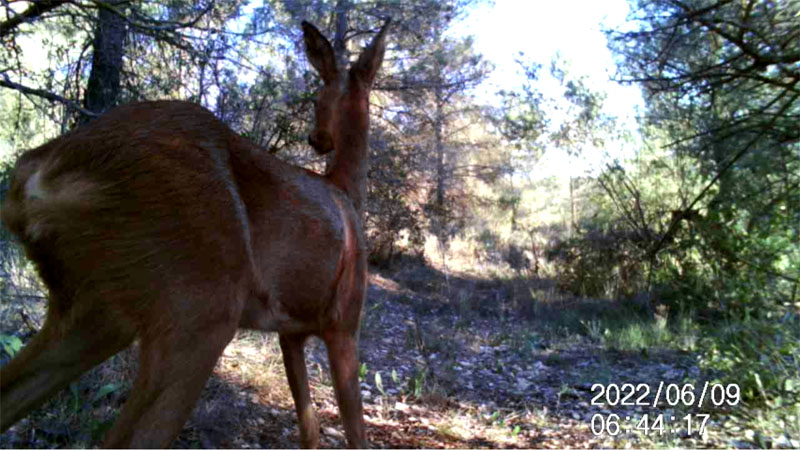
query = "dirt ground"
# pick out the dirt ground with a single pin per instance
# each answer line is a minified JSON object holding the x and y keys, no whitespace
{"x":446,"y":364}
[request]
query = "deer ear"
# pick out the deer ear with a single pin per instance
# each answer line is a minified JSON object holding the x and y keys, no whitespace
{"x":371,"y":58}
{"x":319,"y":52}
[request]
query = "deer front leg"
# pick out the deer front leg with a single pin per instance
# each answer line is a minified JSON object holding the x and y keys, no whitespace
{"x":295,"y":363}
{"x":343,"y":356}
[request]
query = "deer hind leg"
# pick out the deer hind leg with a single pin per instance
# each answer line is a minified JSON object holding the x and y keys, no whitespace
{"x":61,"y":352}
{"x":343,"y":355}
{"x":295,"y":363}
{"x":177,"y":355}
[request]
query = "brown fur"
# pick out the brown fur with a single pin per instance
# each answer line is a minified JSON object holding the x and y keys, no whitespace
{"x":157,"y":222}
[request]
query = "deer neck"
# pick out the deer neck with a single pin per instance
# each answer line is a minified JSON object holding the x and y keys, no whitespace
{"x":351,"y":160}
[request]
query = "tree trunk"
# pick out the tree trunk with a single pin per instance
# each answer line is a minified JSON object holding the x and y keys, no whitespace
{"x":439,"y":151}
{"x":102,"y":91}
{"x":439,"y":145}
{"x":339,"y":43}
{"x":571,"y":207}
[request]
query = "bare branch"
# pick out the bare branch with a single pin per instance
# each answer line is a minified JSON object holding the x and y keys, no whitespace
{"x":35,"y":10}
{"x":6,"y":82}
{"x":144,"y":22}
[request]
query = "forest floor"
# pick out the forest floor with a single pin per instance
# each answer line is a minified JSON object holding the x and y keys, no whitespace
{"x":448,"y":362}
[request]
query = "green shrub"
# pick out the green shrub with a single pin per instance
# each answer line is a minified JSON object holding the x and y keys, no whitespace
{"x":761,"y":355}
{"x":599,"y":263}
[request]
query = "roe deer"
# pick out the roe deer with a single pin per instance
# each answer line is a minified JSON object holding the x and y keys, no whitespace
{"x":157,"y":222}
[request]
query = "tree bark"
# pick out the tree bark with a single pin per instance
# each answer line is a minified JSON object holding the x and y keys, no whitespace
{"x":339,"y":38}
{"x":439,"y":146}
{"x":571,"y":207}
{"x":102,"y":91}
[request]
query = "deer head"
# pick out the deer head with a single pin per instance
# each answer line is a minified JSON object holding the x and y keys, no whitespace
{"x":342,"y":107}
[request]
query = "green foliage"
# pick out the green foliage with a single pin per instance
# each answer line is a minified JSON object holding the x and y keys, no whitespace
{"x":600,"y":263}
{"x":11,"y":344}
{"x":392,"y":181}
{"x":586,"y":124}
{"x":521,"y":119}
{"x":638,"y":332}
{"x":98,"y":429}
{"x":21,"y":127}
{"x":716,"y":74}
{"x":721,"y":266}
{"x":105,"y":390}
{"x":362,"y":371}
{"x":760,"y":355}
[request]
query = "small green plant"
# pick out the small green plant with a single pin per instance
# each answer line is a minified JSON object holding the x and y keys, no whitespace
{"x":499,"y":367}
{"x":379,"y":383}
{"x":594,"y":329}
{"x":417,"y":383}
{"x":492,"y":419}
{"x":565,"y":390}
{"x":11,"y":344}
{"x":362,"y":371}
{"x":104,"y":391}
